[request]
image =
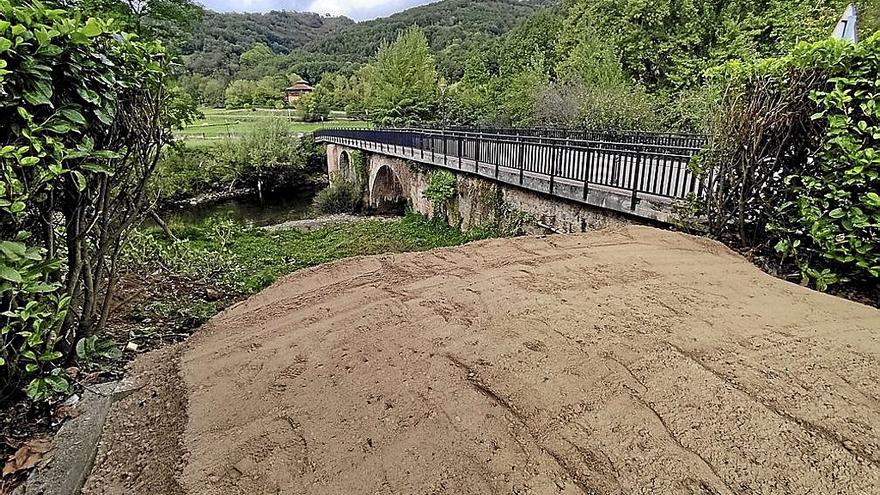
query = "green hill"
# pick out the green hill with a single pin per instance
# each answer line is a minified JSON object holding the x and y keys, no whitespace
{"x":453,"y":27}
{"x":445,"y":23}
{"x":220,"y":38}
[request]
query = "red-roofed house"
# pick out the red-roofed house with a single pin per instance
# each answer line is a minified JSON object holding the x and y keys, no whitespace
{"x":295,"y":92}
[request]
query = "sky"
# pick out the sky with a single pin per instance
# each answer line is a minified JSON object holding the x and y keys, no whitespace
{"x":359,"y":10}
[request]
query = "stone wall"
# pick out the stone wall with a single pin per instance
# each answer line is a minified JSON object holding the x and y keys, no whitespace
{"x":482,"y":202}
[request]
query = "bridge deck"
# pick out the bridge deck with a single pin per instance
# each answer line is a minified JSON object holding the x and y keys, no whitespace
{"x":636,"y":179}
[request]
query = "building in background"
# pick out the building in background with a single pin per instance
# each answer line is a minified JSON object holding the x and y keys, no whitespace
{"x":295,"y":92}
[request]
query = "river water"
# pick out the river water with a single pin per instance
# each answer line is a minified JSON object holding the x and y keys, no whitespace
{"x":274,"y":209}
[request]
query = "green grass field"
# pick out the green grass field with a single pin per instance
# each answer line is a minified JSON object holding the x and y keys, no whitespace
{"x":220,"y":124}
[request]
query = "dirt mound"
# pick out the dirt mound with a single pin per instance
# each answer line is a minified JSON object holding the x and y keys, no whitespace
{"x":629,"y":361}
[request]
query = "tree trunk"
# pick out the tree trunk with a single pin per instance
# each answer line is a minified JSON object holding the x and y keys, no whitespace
{"x":162,"y":225}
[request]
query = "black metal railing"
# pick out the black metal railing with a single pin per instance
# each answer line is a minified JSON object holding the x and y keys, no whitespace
{"x":640,"y":163}
{"x":675,"y":139}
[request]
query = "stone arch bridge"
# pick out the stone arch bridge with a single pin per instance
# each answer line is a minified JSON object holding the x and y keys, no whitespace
{"x":564,"y":180}
{"x":381,"y":178}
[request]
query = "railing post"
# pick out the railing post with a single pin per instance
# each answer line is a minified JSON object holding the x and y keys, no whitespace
{"x":445,"y":151}
{"x":497,"y":158}
{"x":552,"y":167}
{"x":458,"y":148}
{"x":477,"y":143}
{"x":587,"y":172}
{"x":637,"y":178}
{"x":519,"y":159}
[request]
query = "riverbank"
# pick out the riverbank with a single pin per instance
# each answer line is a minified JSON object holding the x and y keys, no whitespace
{"x":309,"y":224}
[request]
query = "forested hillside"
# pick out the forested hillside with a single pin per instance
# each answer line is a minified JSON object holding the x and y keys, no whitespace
{"x":454,"y":28}
{"x":586,"y":63}
{"x":219,"y":40}
{"x":315,"y":43}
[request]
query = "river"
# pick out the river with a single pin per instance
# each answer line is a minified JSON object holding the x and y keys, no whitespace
{"x":250,"y":211}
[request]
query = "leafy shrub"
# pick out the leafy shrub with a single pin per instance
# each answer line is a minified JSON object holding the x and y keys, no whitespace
{"x":90,"y":349}
{"x":200,"y":253}
{"x":34,"y":311}
{"x":796,"y":163}
{"x":266,"y":158}
{"x":185,"y":172}
{"x":440,"y":191}
{"x":187,"y":313}
{"x":343,"y":196}
{"x":86,"y":113}
{"x":835,"y":218}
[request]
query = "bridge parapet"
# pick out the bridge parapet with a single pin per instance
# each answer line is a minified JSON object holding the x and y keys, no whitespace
{"x":641,"y":174}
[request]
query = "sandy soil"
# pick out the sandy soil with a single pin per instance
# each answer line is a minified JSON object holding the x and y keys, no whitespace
{"x":628,"y":361}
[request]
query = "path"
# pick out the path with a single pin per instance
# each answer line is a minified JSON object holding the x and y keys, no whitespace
{"x":632,"y":361}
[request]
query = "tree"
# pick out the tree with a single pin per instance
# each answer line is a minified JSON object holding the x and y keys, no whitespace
{"x":316,"y":105}
{"x":266,"y":92}
{"x":269,"y":91}
{"x":518,"y":94}
{"x":240,"y":93}
{"x":87,"y":113}
{"x":475,"y":98}
{"x":168,"y":21}
{"x":668,"y":45}
{"x":403,"y":81}
{"x":206,"y":91}
{"x":258,"y":54}
{"x":534,"y":39}
{"x":267,"y":156}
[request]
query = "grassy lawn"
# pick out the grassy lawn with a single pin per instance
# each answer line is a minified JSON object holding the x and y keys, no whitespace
{"x":219,"y":123}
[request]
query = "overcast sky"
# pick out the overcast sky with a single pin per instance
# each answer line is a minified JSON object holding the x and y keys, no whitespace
{"x":358,"y":10}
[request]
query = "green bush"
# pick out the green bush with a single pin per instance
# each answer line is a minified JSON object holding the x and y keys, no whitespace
{"x":796,"y":163}
{"x":86,"y":113}
{"x":440,"y":191}
{"x":343,"y":196}
{"x":185,"y":172}
{"x":266,"y":158}
{"x":35,"y":309}
{"x":832,"y":227}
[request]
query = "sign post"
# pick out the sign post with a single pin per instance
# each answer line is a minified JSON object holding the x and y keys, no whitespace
{"x":846,"y":27}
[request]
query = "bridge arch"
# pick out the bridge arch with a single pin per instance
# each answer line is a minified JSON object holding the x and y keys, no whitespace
{"x":386,"y":191}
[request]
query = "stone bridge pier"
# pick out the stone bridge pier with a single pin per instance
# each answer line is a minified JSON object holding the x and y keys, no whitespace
{"x":387,"y":183}
{"x":390,"y":184}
